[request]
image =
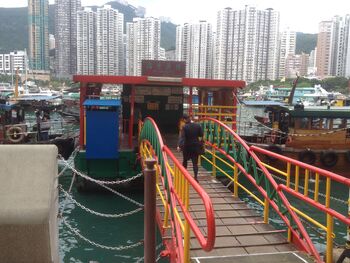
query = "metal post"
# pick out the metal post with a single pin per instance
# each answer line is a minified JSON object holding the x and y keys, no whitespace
{"x":131,"y":121}
{"x":190,"y":102}
{"x":150,"y":211}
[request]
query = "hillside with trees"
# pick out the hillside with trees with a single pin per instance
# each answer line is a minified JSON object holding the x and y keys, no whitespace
{"x":14,"y":26}
{"x":305,"y":43}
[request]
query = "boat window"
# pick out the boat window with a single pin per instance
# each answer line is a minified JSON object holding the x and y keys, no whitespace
{"x":304,"y":123}
{"x":339,"y":123}
{"x":317,"y":123}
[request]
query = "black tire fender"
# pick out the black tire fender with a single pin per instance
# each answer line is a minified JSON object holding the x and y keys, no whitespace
{"x":275,"y":149}
{"x":329,"y":158}
{"x":347,"y":156}
{"x":307,"y":156}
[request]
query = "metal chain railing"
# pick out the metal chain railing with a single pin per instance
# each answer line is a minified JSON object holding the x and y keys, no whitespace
{"x":76,"y":232}
{"x":118,"y":248}
{"x":74,"y":153}
{"x":100,"y":181}
{"x":94,"y":212}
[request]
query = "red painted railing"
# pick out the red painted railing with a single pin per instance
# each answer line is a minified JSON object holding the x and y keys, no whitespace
{"x":151,"y":138}
{"x":301,"y":237}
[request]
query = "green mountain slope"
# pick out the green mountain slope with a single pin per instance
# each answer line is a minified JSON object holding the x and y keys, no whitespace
{"x":305,"y":43}
{"x":14,"y":27}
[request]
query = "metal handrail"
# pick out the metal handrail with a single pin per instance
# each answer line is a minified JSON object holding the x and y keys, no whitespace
{"x":305,"y":243}
{"x":151,"y":137}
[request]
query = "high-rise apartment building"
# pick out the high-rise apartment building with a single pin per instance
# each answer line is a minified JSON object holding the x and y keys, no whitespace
{"x":86,"y":42}
{"x":38,"y":32}
{"x":333,"y":44}
{"x":142,"y":43}
{"x":194,"y":45}
{"x":296,"y":64}
{"x":66,"y":37}
{"x":16,"y":60}
{"x":286,"y":48}
{"x":109,"y":41}
{"x":246,"y":44}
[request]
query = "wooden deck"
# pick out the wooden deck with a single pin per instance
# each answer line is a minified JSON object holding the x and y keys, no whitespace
{"x":241,"y":234}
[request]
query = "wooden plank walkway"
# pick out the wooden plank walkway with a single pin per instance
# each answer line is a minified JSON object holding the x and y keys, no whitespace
{"x":240,"y":231}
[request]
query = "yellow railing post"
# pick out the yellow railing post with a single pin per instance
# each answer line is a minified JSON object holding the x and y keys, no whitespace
{"x":317,"y":186}
{"x":213,"y":161}
{"x":266,"y":211}
{"x":329,"y":239}
{"x":306,"y":183}
{"x":288,"y":174}
{"x":187,"y":236}
{"x":235,"y":181}
{"x":329,"y":252}
{"x":296,"y":188}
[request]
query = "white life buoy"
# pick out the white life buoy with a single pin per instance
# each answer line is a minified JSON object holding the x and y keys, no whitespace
{"x":15,"y":134}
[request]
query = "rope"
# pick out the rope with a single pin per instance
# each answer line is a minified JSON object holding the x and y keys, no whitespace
{"x":118,"y":248}
{"x":94,"y":212}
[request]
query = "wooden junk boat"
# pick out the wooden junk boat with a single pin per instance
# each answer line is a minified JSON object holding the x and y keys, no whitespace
{"x":318,"y":135}
{"x":14,"y":129}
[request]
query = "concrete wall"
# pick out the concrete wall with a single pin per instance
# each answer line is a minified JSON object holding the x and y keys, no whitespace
{"x":28,"y":204}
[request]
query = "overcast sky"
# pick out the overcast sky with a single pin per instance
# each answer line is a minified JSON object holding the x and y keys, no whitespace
{"x":298,"y":15}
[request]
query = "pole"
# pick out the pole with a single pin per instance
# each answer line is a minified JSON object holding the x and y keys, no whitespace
{"x":190,"y":102}
{"x":16,"y":87}
{"x":150,"y":211}
{"x":131,"y":120}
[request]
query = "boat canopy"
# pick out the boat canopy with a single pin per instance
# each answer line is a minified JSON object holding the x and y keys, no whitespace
{"x":315,"y":111}
{"x":102,"y":103}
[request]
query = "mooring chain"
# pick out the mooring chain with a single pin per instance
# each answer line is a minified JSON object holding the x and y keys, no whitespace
{"x":121,"y":195}
{"x":311,"y":191}
{"x":74,"y":153}
{"x":118,"y":248}
{"x":94,"y":212}
{"x":100,"y":181}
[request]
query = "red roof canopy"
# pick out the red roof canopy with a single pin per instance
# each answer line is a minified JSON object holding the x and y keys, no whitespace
{"x":160,"y":81}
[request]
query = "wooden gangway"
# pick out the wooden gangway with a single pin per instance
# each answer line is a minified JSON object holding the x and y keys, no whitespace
{"x":241,"y":234}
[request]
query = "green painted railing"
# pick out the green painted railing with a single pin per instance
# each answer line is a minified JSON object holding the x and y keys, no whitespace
{"x":226,"y":147}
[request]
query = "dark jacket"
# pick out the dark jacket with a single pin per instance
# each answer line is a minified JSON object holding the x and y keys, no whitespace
{"x":189,"y":138}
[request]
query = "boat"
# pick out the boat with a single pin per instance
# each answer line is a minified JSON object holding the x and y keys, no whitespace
{"x":15,"y":129}
{"x":316,"y":135}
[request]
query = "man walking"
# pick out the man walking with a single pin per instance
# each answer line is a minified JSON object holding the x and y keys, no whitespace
{"x":189,"y":143}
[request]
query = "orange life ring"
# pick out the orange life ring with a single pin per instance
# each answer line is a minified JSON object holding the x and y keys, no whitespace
{"x":15,"y":134}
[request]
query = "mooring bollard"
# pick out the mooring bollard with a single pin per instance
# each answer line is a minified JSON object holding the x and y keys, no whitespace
{"x":150,"y":211}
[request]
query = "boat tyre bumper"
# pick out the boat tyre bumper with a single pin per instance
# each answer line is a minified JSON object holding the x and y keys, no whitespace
{"x":329,"y":158}
{"x":275,"y":149}
{"x":347,"y":156}
{"x":307,"y":156}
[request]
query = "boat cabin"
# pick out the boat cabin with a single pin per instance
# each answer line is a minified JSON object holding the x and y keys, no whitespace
{"x":315,"y":126}
{"x":12,"y":128}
